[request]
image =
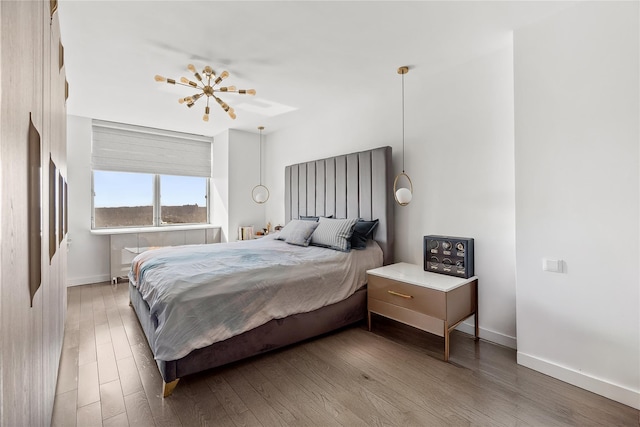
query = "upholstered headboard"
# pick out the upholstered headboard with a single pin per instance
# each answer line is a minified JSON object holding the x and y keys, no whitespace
{"x":357,"y":185}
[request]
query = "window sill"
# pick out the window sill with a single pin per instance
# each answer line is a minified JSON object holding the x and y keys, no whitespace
{"x":133,"y":230}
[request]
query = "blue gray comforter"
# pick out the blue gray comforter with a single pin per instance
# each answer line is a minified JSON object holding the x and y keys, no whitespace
{"x":201,"y":294}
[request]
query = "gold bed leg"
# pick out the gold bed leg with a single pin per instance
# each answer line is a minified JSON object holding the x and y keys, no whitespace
{"x":167,"y":388}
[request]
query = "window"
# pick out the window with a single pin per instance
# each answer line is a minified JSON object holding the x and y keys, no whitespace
{"x":184,"y":199}
{"x":148,"y":177}
{"x":122,"y":199}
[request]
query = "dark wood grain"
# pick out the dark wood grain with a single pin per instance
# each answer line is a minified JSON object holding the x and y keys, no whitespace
{"x":392,"y":376}
{"x":231,"y":402}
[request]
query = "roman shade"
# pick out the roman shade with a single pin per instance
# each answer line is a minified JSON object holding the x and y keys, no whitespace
{"x":127,"y":148}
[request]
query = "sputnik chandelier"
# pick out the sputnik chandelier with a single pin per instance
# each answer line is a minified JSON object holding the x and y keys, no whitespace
{"x":207,"y":84}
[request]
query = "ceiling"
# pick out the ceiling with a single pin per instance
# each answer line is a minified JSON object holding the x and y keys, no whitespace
{"x":301,"y":57}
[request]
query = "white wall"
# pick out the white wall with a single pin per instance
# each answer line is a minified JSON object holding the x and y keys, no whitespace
{"x":235,"y":173}
{"x":459,"y":155}
{"x":88,"y":258}
{"x":578,"y":196}
{"x":220,"y":184}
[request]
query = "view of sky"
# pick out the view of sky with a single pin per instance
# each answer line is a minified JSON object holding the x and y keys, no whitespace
{"x":114,"y":189}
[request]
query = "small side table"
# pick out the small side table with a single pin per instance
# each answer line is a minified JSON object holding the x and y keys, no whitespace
{"x":432,"y":302}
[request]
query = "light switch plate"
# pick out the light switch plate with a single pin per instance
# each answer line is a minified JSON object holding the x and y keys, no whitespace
{"x":552,"y":265}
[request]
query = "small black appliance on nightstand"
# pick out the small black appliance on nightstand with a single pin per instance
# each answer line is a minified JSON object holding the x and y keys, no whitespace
{"x":449,"y":255}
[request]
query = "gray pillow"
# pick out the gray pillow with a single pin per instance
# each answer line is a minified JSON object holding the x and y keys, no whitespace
{"x":301,"y":233}
{"x":282,"y":235}
{"x":334,"y":233}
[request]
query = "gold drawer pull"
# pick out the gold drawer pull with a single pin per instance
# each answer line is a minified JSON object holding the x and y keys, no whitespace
{"x":398,"y":294}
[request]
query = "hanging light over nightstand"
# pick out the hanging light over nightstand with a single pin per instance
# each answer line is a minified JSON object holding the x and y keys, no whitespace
{"x":403,"y":195}
{"x":260,"y":193}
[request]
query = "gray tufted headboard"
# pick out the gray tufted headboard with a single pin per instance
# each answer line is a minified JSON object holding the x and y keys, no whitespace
{"x":357,"y":185}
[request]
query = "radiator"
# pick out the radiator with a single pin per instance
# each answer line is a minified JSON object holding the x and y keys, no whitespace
{"x":125,"y":246}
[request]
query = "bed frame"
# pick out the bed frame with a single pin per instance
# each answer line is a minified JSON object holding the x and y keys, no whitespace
{"x":348,"y":186}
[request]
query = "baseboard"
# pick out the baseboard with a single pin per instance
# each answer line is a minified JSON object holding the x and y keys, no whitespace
{"x":599,"y":386}
{"x":489,"y":335}
{"x":77,"y":281}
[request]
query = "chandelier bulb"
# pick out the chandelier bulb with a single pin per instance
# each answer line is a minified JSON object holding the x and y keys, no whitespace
{"x":247,"y":91}
{"x":205,"y":117}
{"x":232,"y":113}
{"x":188,"y":82}
{"x":191,"y":68}
{"x":208,"y":71}
{"x":159,"y":78}
{"x":221,"y":77}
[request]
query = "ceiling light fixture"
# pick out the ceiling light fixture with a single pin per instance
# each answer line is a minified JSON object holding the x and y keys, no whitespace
{"x":206,"y":85}
{"x":403,"y":195}
{"x":260,"y":193}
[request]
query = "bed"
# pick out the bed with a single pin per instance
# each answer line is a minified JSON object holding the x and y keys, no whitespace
{"x":322,"y":289}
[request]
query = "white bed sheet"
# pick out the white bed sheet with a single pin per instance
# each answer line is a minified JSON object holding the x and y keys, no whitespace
{"x":201,"y":294}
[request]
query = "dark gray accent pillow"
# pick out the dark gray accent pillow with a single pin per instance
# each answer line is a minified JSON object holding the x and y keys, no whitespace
{"x":334,"y":233}
{"x":362,"y":232}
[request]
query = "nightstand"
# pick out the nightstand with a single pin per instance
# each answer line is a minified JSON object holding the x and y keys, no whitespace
{"x":432,"y":302}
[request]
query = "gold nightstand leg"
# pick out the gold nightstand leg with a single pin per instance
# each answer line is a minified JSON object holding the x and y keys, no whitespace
{"x":369,"y":320}
{"x":477,"y":325}
{"x":475,"y":315}
{"x":446,"y":343}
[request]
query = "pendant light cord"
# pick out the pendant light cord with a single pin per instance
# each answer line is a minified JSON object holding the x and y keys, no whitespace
{"x":403,"y":123}
{"x":260,"y":156}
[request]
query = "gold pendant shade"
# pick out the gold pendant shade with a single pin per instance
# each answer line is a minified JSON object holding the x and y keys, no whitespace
{"x":206,"y":85}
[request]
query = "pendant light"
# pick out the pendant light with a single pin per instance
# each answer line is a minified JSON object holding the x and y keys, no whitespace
{"x":403,"y":195}
{"x":207,"y":85}
{"x":260,"y":193}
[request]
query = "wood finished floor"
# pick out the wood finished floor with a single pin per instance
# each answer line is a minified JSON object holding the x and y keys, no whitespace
{"x":393,"y":376}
